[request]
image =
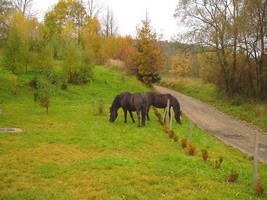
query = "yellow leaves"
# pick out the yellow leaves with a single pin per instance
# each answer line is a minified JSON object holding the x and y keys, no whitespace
{"x":180,"y":65}
{"x":26,"y":27}
{"x":69,"y":31}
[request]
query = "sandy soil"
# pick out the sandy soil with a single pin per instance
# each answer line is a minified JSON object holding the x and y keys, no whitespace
{"x":231,"y":131}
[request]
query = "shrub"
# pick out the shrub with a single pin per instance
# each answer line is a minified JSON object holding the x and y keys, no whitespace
{"x":259,"y":187}
{"x":175,"y":138}
{"x":218,"y":163}
{"x":233,"y":176}
{"x":33,"y":83}
{"x":204,"y":155}
{"x":115,"y":64}
{"x":184,"y":143}
{"x":191,"y":149}
{"x":100,"y":109}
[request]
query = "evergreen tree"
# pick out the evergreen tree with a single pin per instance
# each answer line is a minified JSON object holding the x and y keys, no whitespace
{"x":150,"y":57}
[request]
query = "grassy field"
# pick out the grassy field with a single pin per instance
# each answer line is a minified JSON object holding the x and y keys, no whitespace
{"x":74,"y":152}
{"x":244,"y":109}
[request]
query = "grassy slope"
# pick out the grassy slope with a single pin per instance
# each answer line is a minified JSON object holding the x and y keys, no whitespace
{"x":247,"y":110}
{"x":75,"y":153}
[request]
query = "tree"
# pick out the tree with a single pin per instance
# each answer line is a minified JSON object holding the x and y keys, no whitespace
{"x":180,"y":65}
{"x":94,"y":8}
{"x":254,"y":43}
{"x":110,"y":27}
{"x":66,"y":13}
{"x":13,"y":50}
{"x":23,"y":5}
{"x":91,"y":39}
{"x":215,"y":25}
{"x":77,"y":63}
{"x":150,"y":58}
{"x":5,"y":9}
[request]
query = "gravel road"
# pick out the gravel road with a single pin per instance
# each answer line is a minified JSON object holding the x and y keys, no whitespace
{"x":231,"y":131}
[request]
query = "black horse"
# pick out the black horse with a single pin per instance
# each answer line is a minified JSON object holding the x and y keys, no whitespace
{"x":160,"y":101}
{"x":131,"y":102}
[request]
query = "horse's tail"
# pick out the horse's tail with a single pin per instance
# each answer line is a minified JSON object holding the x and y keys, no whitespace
{"x":144,"y":104}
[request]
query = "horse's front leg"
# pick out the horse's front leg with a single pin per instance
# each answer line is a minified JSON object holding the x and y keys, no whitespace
{"x":147,"y":111}
{"x":138,"y":115}
{"x":131,"y":114}
{"x":125,"y":115}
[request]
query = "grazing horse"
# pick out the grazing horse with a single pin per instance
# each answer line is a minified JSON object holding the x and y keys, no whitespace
{"x":160,"y":101}
{"x":131,"y":102}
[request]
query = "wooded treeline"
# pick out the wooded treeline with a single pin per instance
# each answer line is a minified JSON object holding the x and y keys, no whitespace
{"x":73,"y":33}
{"x":225,"y":43}
{"x":232,"y":35}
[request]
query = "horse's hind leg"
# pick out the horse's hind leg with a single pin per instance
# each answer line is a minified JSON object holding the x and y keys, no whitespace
{"x":147,"y":114}
{"x":138,"y":115}
{"x":125,"y":115}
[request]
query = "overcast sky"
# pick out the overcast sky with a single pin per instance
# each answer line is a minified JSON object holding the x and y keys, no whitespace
{"x":129,"y":13}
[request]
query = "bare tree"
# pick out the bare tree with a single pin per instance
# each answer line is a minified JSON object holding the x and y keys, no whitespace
{"x":94,"y":8}
{"x":23,"y":5}
{"x":5,"y":8}
{"x":110,"y":26}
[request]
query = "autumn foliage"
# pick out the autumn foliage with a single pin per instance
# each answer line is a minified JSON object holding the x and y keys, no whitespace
{"x":150,"y":57}
{"x":191,"y":149}
{"x":259,"y":187}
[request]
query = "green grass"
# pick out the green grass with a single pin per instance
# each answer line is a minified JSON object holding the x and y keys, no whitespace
{"x":76,"y":153}
{"x":241,"y":108}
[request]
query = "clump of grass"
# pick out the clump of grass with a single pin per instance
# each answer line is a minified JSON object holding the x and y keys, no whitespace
{"x":218,"y":163}
{"x":184,"y":143}
{"x":233,"y":177}
{"x":191,"y":149}
{"x":13,"y":80}
{"x":204,"y":155}
{"x":100,"y":109}
{"x":115,"y":64}
{"x":259,"y":190}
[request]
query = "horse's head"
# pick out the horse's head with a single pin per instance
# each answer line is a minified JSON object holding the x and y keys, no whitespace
{"x":178,"y":117}
{"x":113,"y":114}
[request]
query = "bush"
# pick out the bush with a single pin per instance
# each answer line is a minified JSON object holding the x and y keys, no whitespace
{"x":191,"y":150}
{"x":218,"y":163}
{"x":175,"y":138}
{"x":259,"y":187}
{"x":204,"y":155}
{"x":115,"y":64}
{"x":233,"y":176}
{"x":184,"y":143}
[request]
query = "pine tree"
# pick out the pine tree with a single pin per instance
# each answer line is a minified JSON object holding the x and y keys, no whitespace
{"x":150,"y":57}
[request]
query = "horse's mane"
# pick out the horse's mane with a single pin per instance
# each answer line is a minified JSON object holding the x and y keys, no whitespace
{"x":116,"y":102}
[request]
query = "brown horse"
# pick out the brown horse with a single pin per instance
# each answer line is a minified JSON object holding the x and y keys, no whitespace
{"x":129,"y":102}
{"x":160,"y":101}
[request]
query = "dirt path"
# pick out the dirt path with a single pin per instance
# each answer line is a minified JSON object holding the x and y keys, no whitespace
{"x":231,"y":131}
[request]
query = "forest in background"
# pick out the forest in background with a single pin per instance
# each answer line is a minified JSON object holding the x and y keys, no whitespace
{"x":225,"y":44}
